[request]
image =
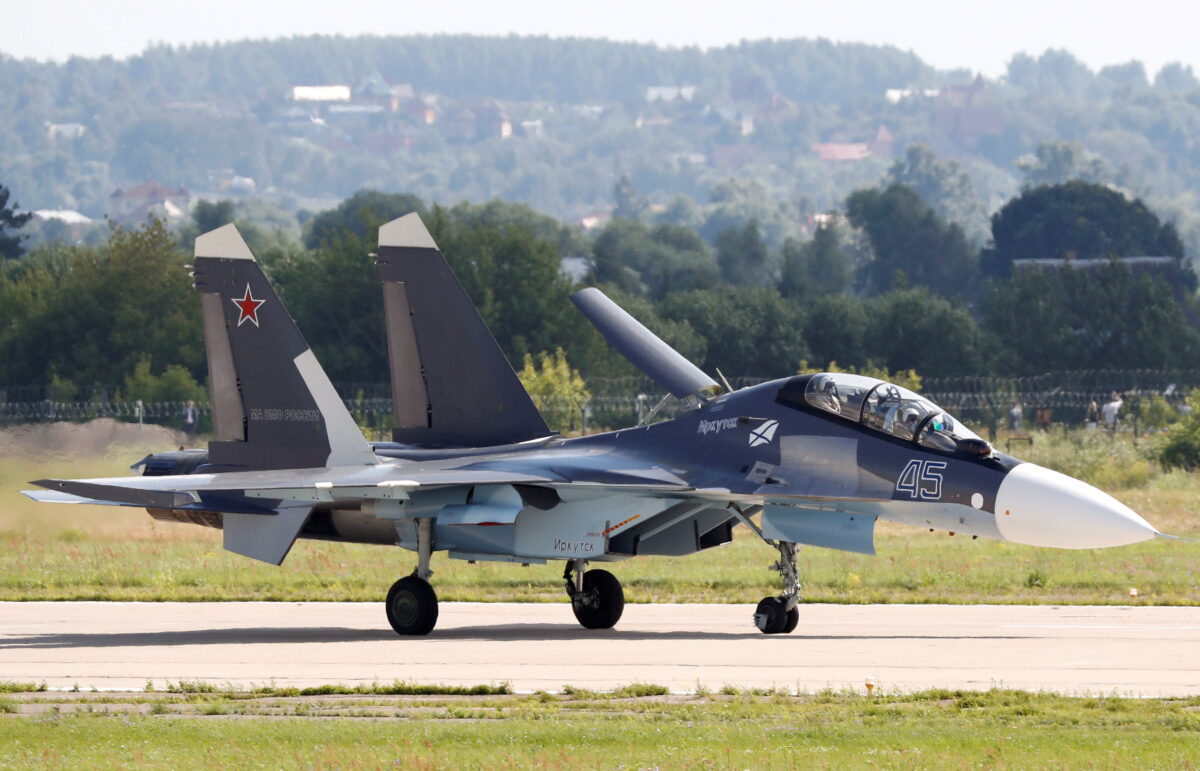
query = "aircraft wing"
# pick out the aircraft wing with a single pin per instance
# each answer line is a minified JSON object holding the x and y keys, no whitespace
{"x":327,"y":484}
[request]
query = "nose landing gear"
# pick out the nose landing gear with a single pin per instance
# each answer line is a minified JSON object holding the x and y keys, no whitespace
{"x":779,"y":614}
{"x":596,"y":595}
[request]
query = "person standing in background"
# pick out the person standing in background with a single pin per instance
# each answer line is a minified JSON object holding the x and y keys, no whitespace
{"x":191,"y":416}
{"x":1111,"y":412}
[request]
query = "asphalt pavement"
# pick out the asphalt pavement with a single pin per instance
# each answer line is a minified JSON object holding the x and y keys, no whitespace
{"x":1143,"y":651}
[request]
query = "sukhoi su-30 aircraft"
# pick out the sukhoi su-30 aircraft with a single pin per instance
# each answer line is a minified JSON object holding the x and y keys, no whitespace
{"x":474,"y":471}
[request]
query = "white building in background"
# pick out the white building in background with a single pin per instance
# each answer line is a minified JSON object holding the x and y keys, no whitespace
{"x":321,"y":93}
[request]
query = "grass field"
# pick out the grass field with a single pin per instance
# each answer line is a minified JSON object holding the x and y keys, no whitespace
{"x":636,"y":727}
{"x":104,"y":553}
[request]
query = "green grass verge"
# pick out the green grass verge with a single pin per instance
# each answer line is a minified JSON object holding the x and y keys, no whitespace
{"x":935,"y":729}
{"x":913,"y":568}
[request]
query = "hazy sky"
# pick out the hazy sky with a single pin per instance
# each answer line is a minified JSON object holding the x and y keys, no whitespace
{"x":946,"y":33}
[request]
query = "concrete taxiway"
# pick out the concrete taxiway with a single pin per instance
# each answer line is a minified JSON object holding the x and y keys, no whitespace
{"x":1143,"y":651}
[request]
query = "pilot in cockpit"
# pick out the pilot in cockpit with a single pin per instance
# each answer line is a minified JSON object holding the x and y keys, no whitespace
{"x":830,"y":393}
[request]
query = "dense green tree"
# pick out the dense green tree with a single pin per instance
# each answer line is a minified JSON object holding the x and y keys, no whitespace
{"x":752,"y":332}
{"x":743,"y":255}
{"x":91,"y":314}
{"x":1130,"y":75}
{"x":360,"y":215}
{"x":945,"y":186}
{"x":682,"y":211}
{"x":908,"y":236}
{"x":913,"y":329}
{"x":628,"y":205}
{"x":1105,"y":317}
{"x":516,"y":281}
{"x":1055,"y":72}
{"x":210,"y":215}
{"x":1076,"y":220}
{"x":333,"y":293}
{"x":652,"y":260}
{"x":1176,"y":78}
{"x":11,"y":221}
{"x":836,"y":330}
{"x":734,"y":203}
{"x":497,"y":213}
{"x":817,"y":267}
{"x":1057,"y":162}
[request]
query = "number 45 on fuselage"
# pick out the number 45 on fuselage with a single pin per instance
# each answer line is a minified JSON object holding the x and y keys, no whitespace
{"x":475,"y":472}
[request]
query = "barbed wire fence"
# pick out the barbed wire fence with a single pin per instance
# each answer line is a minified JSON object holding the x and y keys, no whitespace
{"x":626,"y":401}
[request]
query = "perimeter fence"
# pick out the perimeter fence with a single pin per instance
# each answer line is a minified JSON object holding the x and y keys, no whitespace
{"x":1059,"y":397}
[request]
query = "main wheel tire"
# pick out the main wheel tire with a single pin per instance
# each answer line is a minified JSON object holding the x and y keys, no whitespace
{"x":609,"y":600}
{"x":412,"y":606}
{"x":793,"y":618}
{"x":771,"y":615}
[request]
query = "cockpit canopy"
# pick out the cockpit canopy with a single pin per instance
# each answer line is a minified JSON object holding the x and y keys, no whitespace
{"x":886,"y":407}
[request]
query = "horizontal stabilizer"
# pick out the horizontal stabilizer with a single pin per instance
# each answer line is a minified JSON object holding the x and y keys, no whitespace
{"x":54,"y":496}
{"x":644,"y":349}
{"x":152,"y":499}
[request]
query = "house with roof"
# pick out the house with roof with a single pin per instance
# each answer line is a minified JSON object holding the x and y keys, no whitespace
{"x":879,"y":145}
{"x":135,"y":204}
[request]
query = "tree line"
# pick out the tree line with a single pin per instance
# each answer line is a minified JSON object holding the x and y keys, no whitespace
{"x":886,"y":283}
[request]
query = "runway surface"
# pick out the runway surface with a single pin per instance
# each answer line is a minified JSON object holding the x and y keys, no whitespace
{"x":1074,"y":649}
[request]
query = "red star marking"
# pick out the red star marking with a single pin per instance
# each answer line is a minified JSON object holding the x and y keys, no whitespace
{"x":248,"y":307}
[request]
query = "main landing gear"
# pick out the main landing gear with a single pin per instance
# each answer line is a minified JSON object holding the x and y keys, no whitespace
{"x":596,"y":595}
{"x":778,"y":614}
{"x":412,"y":606}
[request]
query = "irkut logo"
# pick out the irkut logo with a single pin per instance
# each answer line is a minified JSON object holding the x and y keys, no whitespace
{"x":716,"y":426}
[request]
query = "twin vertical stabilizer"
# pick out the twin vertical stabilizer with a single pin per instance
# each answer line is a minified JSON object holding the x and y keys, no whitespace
{"x":451,"y":384}
{"x":273,"y":405}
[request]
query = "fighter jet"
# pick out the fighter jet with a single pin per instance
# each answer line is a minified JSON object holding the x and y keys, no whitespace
{"x":474,"y":471}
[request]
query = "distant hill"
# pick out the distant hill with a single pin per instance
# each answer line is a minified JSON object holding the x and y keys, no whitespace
{"x":556,"y":122}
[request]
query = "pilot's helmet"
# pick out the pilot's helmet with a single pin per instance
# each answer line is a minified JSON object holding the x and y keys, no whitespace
{"x":909,"y":416}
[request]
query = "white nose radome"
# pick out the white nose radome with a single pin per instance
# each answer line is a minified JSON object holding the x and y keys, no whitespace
{"x":1040,"y":507}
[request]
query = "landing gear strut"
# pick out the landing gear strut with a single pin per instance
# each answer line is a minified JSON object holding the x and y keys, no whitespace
{"x":596,"y":595}
{"x":412,"y":606}
{"x":779,"y":614}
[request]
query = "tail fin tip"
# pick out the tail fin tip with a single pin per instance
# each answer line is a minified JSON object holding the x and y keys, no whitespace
{"x":407,"y":231}
{"x":223,"y":243}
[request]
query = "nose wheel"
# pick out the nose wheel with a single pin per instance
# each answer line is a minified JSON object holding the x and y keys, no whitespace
{"x":597,"y":599}
{"x":779,"y":614}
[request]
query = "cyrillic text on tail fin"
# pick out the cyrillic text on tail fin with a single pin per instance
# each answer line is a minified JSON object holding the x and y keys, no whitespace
{"x":451,"y":384}
{"x":273,"y":405}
